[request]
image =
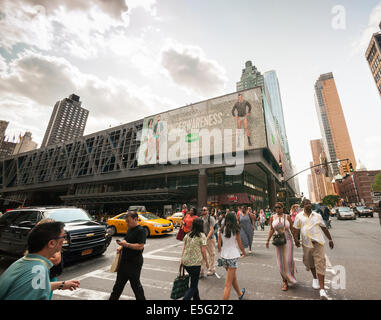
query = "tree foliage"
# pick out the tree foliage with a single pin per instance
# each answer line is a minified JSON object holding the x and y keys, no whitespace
{"x":331,"y":200}
{"x":376,"y":186}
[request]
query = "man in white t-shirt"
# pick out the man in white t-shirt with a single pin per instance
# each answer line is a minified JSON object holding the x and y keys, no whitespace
{"x":311,"y":227}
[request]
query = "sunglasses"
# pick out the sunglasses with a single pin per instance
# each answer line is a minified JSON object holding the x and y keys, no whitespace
{"x":204,"y":209}
{"x":63,"y":237}
{"x":278,"y":207}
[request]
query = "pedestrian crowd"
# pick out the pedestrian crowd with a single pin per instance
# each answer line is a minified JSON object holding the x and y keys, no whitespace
{"x":229,"y":232}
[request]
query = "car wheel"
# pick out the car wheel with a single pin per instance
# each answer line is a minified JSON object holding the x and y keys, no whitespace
{"x":112,"y":231}
{"x":147,"y":232}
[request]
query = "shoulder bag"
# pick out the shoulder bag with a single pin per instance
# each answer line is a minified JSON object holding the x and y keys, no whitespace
{"x":279,"y":239}
{"x":180,"y":234}
{"x":180,"y":284}
{"x":116,"y":262}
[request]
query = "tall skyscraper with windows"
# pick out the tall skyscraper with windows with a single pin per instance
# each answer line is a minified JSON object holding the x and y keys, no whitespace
{"x":67,"y":122}
{"x":336,"y":140}
{"x":322,"y":185}
{"x":250,"y":77}
{"x":373,"y":56}
{"x":272,"y":86}
{"x":3,"y":128}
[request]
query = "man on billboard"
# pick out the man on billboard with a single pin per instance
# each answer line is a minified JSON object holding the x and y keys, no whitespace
{"x":240,"y":112}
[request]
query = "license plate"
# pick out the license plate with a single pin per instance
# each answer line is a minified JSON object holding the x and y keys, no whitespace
{"x":169,"y":229}
{"x":86,"y":252}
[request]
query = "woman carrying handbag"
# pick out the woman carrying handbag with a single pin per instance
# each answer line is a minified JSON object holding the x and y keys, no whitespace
{"x":281,"y":228}
{"x":186,"y":224}
{"x":194,"y":251}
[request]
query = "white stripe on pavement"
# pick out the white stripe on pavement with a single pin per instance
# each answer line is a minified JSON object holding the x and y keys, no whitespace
{"x":88,"y":294}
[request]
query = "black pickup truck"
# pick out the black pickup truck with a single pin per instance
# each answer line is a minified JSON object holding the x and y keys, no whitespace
{"x":86,"y":237}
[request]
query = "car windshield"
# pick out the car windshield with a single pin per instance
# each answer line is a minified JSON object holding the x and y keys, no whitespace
{"x":361,"y":208}
{"x":68,"y":215}
{"x":148,"y":216}
{"x":345,"y":209}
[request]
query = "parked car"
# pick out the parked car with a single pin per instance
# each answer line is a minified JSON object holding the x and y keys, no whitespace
{"x":152,"y":224}
{"x":345,"y":213}
{"x":363,"y":211}
{"x":176,"y":218}
{"x":85,"y":237}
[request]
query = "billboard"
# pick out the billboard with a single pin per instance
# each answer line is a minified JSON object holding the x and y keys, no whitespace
{"x":211,"y":128}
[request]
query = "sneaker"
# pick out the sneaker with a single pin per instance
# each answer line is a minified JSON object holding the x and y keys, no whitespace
{"x":202,"y":275}
{"x":324,"y":295}
{"x":315,"y":284}
{"x":210,"y":273}
{"x":243,"y":293}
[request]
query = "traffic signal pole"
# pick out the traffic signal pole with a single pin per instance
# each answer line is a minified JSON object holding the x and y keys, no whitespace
{"x":325,"y":164}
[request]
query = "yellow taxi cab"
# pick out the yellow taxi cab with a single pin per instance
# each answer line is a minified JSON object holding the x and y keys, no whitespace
{"x":152,"y":224}
{"x":176,"y":218}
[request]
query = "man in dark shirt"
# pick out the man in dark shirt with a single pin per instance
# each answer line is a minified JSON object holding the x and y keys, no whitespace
{"x":240,"y":112}
{"x":324,"y":212}
{"x":131,"y":262}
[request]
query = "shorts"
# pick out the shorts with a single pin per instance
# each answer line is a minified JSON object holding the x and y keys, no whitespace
{"x":230,"y":263}
{"x":242,"y":118}
{"x":315,"y":258}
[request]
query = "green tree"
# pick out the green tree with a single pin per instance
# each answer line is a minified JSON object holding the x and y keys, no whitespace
{"x":376,"y":186}
{"x":331,"y":200}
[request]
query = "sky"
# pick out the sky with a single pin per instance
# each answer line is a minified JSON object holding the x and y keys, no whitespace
{"x":128,"y":59}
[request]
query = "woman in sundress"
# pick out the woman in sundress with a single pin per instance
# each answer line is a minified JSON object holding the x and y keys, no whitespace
{"x":279,"y":223}
{"x":247,"y":229}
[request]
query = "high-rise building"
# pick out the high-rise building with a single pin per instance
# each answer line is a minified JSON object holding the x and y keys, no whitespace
{"x":272,"y":86}
{"x":67,"y":122}
{"x":322,"y":184}
{"x":6,"y":147}
{"x":3,"y":128}
{"x":373,"y":56}
{"x":26,"y":144}
{"x":250,"y":77}
{"x":336,"y":140}
{"x":311,"y":189}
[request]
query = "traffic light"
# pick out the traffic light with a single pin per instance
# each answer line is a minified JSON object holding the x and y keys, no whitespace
{"x":345,"y":167}
{"x":351,"y":167}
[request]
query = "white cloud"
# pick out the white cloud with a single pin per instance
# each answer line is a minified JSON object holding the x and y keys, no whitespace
{"x":38,"y":81}
{"x":189,"y":68}
{"x":79,"y":28}
{"x":3,"y":64}
{"x":361,"y":44}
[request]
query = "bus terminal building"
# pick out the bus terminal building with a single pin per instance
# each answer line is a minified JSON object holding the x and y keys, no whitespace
{"x":222,"y":152}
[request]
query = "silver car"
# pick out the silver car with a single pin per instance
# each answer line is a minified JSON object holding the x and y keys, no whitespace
{"x":345,"y":213}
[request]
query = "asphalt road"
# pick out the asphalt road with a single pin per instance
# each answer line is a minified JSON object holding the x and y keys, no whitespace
{"x":353,"y":270}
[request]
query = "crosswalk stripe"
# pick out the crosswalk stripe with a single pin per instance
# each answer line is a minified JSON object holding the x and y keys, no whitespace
{"x":88,"y":294}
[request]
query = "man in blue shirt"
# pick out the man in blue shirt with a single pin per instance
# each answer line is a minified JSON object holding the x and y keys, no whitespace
{"x":28,"y":277}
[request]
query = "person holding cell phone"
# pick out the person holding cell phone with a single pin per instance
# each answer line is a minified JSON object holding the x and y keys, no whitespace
{"x":131,"y":261}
